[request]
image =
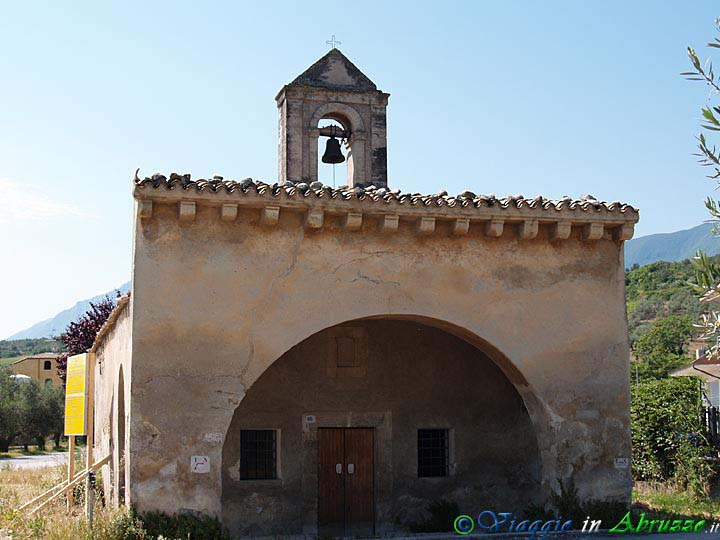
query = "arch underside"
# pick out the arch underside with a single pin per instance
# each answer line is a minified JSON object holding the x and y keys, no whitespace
{"x":397,"y":376}
{"x":345,"y":114}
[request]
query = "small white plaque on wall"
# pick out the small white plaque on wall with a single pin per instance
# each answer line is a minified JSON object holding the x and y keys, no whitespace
{"x":622,"y":462}
{"x":200,"y":464}
{"x":215,"y":437}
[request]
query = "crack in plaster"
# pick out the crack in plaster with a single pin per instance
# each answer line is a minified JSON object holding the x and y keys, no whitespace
{"x":367,"y":256}
{"x":376,"y":281}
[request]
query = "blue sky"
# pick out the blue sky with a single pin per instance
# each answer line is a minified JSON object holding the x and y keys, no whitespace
{"x":529,"y":98}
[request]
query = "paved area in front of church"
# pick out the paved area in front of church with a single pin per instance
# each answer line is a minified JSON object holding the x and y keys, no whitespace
{"x":51,"y":459}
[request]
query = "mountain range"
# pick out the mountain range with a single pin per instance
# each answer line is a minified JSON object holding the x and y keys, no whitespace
{"x":55,"y":326}
{"x":674,"y":246}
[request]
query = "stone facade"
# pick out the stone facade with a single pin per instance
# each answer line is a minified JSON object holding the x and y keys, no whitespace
{"x":500,"y":320}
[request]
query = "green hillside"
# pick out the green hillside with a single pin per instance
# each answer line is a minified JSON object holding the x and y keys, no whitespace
{"x":660,"y":289}
{"x":16,"y":349}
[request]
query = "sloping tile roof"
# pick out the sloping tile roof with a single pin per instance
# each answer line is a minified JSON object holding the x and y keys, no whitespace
{"x":122,"y":303}
{"x":44,"y":356}
{"x":319,"y":75}
{"x":379,"y":196}
{"x":39,"y":356}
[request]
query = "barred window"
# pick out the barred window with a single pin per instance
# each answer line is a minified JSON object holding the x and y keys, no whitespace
{"x":432,"y":452}
{"x":258,"y":454}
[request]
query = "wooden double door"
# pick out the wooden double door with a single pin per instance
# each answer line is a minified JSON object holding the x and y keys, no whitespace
{"x":346,"y":472}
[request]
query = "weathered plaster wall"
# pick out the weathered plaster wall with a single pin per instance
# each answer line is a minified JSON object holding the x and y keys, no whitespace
{"x":217,"y":302}
{"x":113,"y":354}
{"x":415,"y":376}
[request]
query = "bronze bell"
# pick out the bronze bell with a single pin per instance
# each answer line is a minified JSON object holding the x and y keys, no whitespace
{"x":332,"y":152}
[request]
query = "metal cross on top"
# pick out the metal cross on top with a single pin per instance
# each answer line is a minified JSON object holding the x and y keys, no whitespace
{"x":333,"y":42}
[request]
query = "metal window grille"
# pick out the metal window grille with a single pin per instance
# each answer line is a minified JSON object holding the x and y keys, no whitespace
{"x":258,"y":454}
{"x":432,"y":452}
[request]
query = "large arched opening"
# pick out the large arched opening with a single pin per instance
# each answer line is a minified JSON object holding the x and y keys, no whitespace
{"x":361,"y":426}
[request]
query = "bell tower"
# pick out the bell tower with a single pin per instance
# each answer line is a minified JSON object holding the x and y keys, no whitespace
{"x":333,"y":88}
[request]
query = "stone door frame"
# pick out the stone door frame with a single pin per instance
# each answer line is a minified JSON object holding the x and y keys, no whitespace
{"x":381,"y":422}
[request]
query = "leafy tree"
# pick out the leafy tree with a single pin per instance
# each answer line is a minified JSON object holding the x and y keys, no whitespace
{"x":80,"y":335}
{"x":662,"y":347}
{"x":9,"y":409}
{"x":707,"y":270}
{"x":667,"y":337}
{"x":53,"y":403}
{"x":40,"y":413}
{"x":33,"y":423}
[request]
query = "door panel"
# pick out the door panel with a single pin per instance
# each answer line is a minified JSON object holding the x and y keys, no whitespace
{"x":359,"y":515}
{"x":346,"y":503}
{"x":331,"y":496}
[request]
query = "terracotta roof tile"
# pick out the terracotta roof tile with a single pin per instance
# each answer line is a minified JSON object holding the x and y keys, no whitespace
{"x":372,"y":194}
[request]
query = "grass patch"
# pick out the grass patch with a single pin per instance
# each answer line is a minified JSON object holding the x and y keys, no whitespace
{"x":53,"y":522}
{"x":10,"y":359}
{"x":661,"y":499}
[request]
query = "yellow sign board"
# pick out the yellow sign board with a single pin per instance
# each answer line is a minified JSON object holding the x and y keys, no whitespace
{"x":76,"y":395}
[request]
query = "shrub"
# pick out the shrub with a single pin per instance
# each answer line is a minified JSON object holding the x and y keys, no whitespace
{"x":126,"y":526}
{"x":442,"y":514}
{"x":568,"y":505}
{"x":182,"y":526}
{"x":667,"y":434}
{"x":566,"y":502}
{"x":693,"y":471}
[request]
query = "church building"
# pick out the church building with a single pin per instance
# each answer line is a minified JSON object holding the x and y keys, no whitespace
{"x":297,"y":358}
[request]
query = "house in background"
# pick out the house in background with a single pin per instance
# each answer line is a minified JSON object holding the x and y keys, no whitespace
{"x":41,"y":367}
{"x":708,"y":369}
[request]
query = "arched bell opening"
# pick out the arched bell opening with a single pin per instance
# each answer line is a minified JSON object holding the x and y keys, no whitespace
{"x":326,"y":121}
{"x":333,"y":148}
{"x":407,"y":412}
